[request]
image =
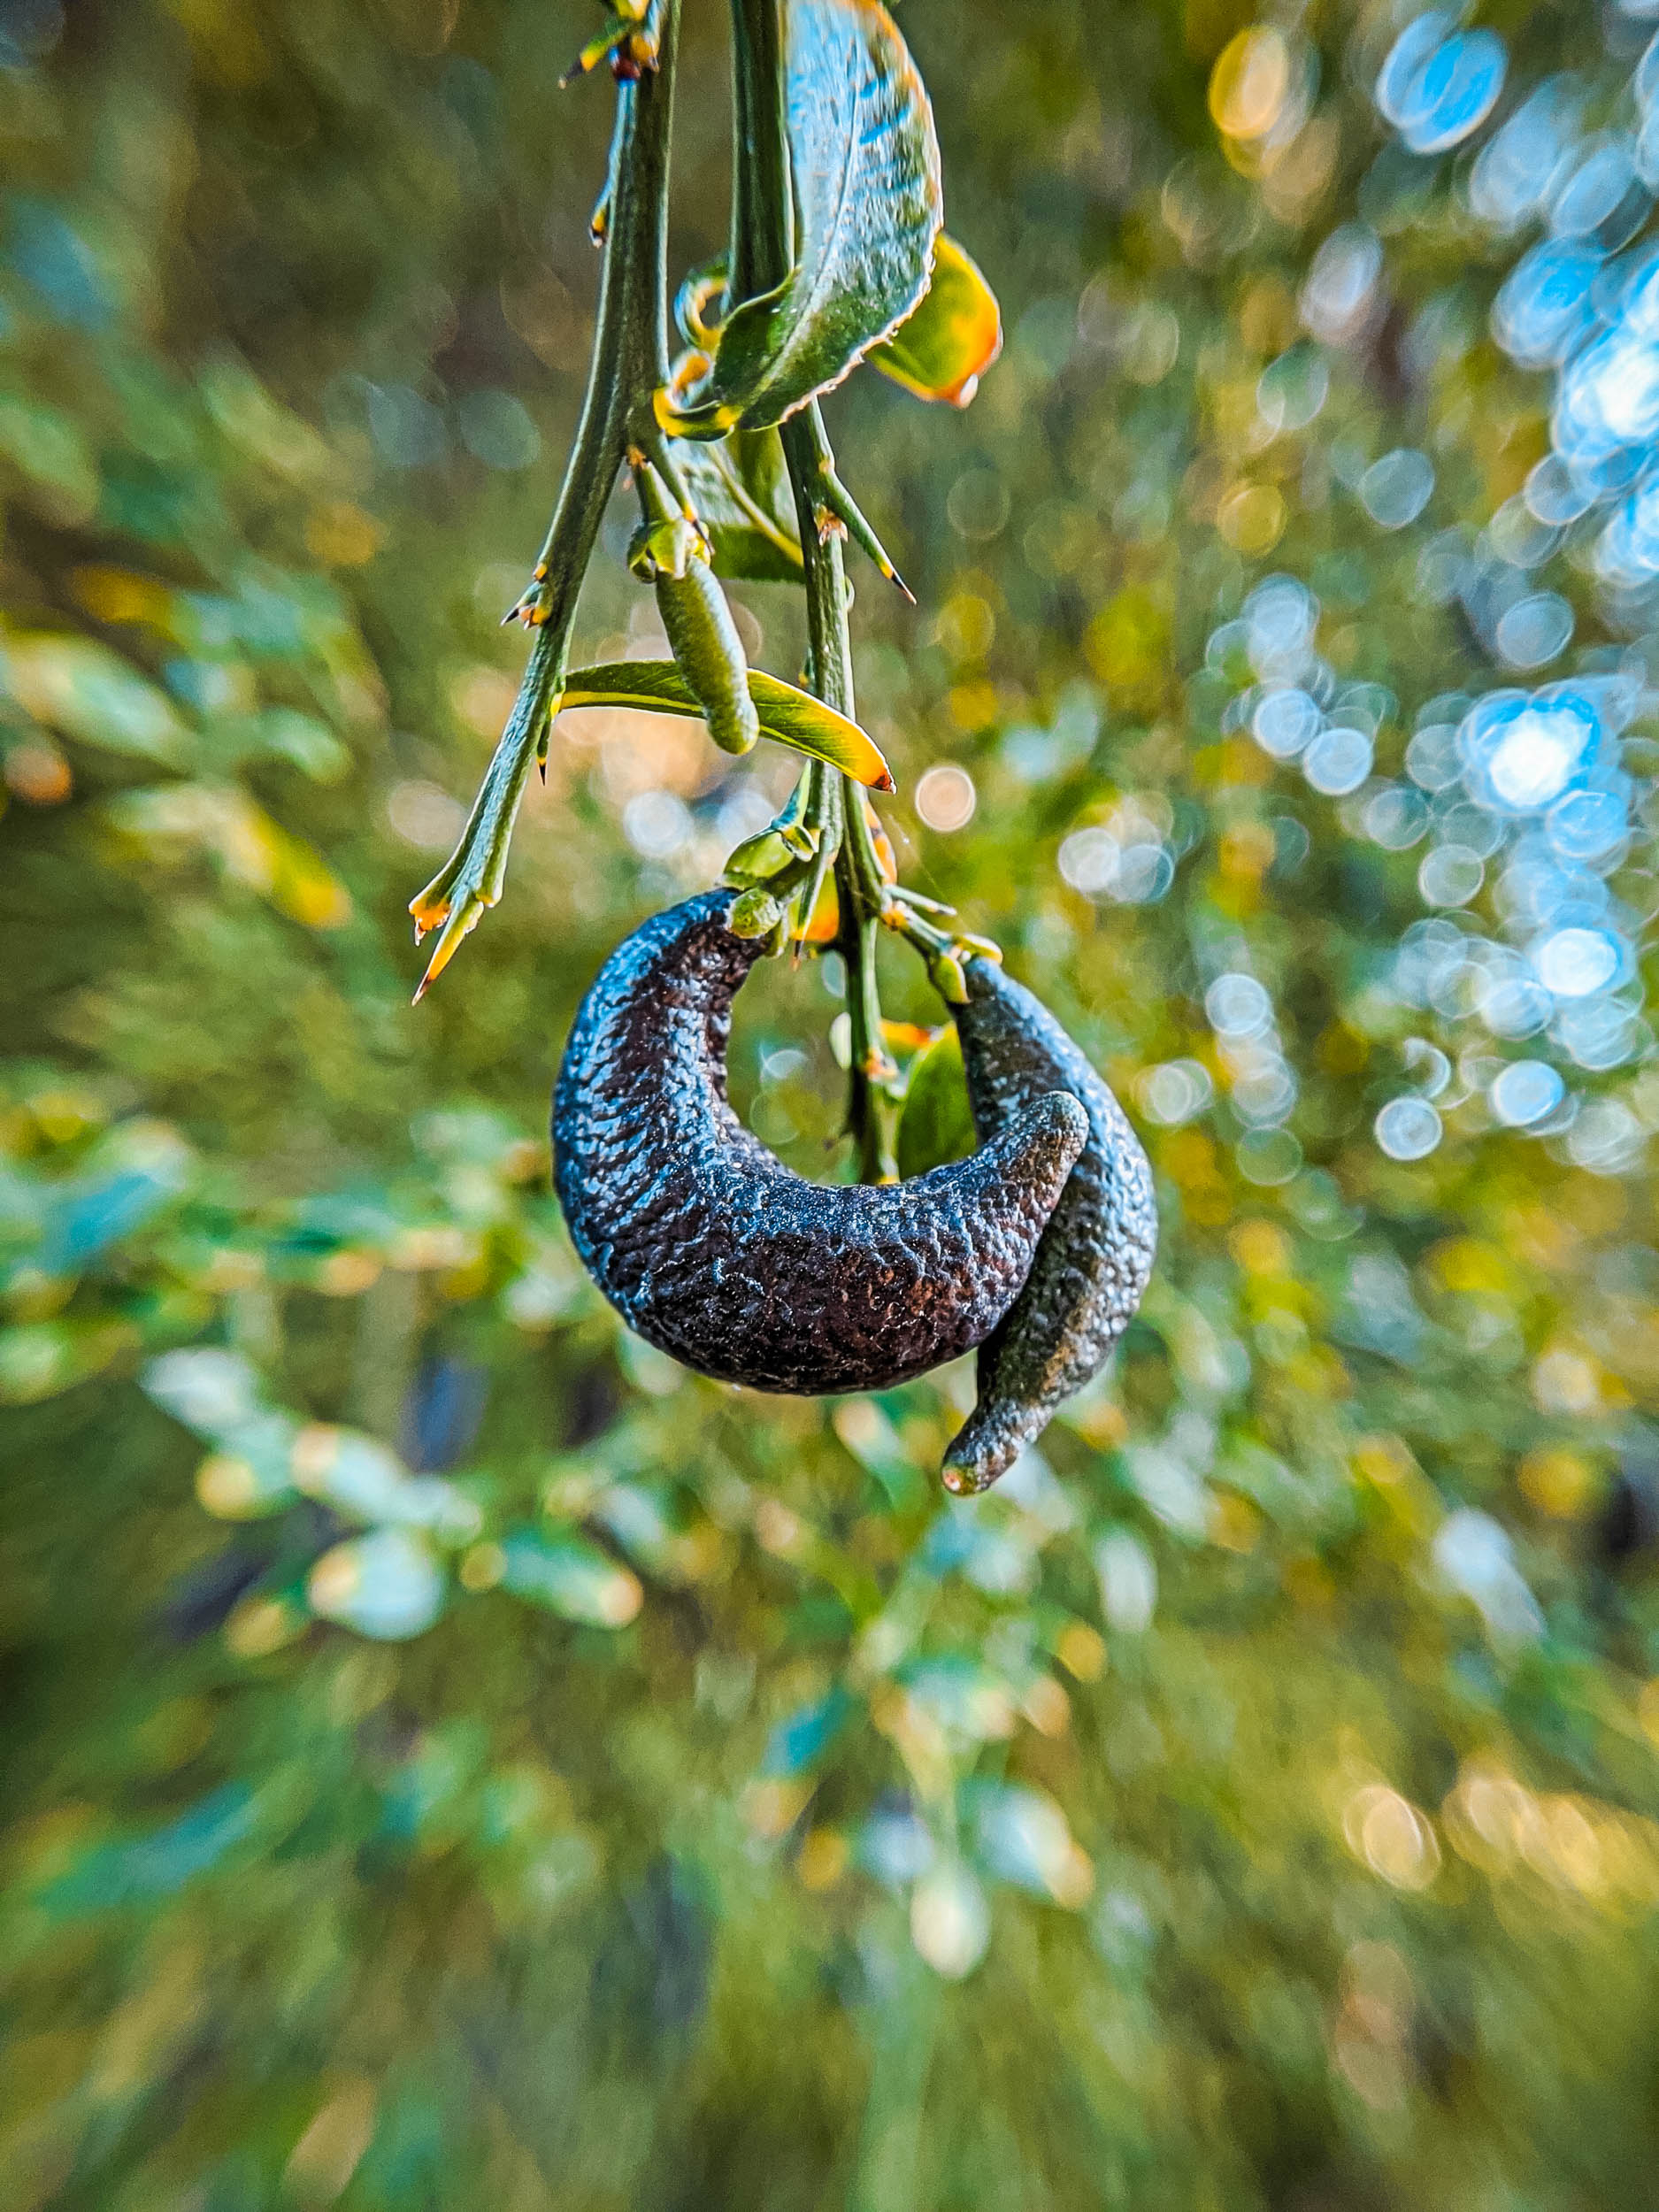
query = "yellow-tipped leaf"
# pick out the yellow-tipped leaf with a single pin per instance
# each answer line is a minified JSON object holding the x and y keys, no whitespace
{"x":787,"y":715}
{"x":943,"y":349}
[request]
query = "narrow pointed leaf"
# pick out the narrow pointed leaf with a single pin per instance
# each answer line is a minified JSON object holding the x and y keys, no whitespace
{"x":866,"y":165}
{"x":788,"y":716}
{"x":943,"y":349}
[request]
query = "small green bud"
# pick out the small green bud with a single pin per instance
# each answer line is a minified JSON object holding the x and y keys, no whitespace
{"x":756,"y":914}
{"x":803,"y":837}
{"x":663,"y":549}
{"x":944,"y":972}
{"x":759,"y":860}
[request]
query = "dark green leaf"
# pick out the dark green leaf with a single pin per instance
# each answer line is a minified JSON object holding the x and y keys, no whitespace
{"x":868,"y":203}
{"x":742,"y":493}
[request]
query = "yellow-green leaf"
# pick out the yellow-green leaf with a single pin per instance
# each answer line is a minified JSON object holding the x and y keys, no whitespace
{"x":788,"y":716}
{"x":83,"y":690}
{"x":943,"y":349}
{"x":221,"y":819}
{"x":935,"y":1124}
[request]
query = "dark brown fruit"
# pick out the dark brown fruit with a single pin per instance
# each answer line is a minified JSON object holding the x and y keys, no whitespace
{"x":1096,"y":1252}
{"x":722,"y":1257}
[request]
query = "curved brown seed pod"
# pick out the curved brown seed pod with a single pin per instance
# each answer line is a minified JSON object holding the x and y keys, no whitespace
{"x":719,"y":1254}
{"x":1096,"y":1252}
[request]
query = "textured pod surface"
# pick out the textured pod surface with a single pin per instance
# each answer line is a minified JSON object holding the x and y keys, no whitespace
{"x":722,"y":1256}
{"x":704,"y":638}
{"x":1096,"y":1252}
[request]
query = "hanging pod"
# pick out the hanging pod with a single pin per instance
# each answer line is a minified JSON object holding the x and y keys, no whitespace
{"x":1095,"y":1255}
{"x":700,"y":632}
{"x":722,"y":1257}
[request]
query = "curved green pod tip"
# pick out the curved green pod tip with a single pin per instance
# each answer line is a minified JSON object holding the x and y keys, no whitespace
{"x":709,"y":653}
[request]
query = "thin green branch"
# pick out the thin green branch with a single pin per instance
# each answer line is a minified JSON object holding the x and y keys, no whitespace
{"x":763,"y":203}
{"x":630,"y":360}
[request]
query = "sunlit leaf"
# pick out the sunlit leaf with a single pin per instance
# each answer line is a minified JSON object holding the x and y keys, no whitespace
{"x":801,"y":1741}
{"x":570,"y":1576}
{"x":133,"y":1172}
{"x":84,"y":691}
{"x":386,"y":1584}
{"x":40,"y":1358}
{"x":160,"y":1862}
{"x":248,"y":845}
{"x":788,"y":716}
{"x":943,"y":349}
{"x":52,"y":452}
{"x":868,"y":199}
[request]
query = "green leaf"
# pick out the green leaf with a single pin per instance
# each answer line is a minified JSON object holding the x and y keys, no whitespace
{"x":868,"y":203}
{"x":570,"y":1576}
{"x":740,"y":491}
{"x":82,"y":690}
{"x":788,"y":716}
{"x":250,"y":848}
{"x":936,"y":1124}
{"x":943,"y":349}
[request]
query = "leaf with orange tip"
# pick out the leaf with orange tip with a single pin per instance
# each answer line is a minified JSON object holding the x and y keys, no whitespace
{"x":943,"y":349}
{"x":788,"y":716}
{"x":824,"y":924}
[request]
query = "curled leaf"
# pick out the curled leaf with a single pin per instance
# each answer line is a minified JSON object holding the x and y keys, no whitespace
{"x":697,"y":304}
{"x":787,"y":715}
{"x":866,"y":166}
{"x":943,"y":349}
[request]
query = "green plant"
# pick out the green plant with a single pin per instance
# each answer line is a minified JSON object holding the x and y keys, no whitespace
{"x":836,"y":255}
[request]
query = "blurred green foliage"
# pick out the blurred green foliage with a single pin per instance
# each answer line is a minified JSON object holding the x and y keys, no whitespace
{"x":457,"y":1759}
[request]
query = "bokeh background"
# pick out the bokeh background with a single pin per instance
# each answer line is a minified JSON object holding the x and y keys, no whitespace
{"x":457,"y":1758}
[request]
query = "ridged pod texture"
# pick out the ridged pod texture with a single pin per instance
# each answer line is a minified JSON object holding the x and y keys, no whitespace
{"x":704,"y":642}
{"x":1095,"y":1255}
{"x":720,"y":1255}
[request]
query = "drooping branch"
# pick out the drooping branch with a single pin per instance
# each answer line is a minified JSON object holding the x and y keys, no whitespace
{"x":630,"y":360}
